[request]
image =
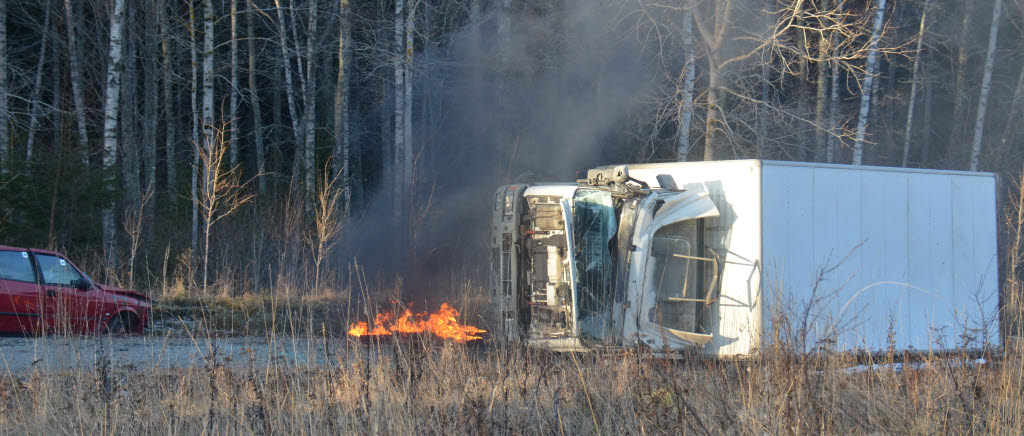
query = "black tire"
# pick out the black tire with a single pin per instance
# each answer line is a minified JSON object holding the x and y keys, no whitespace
{"x":122,"y":324}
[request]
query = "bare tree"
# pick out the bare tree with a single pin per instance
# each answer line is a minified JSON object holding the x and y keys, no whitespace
{"x":150,"y":96}
{"x":288,"y":82}
{"x":254,"y":100}
{"x":833,"y":97}
{"x":170,"y":140}
{"x":1012,"y":124}
{"x":4,"y":143}
{"x":986,"y":85}
{"x":407,"y":142}
{"x":689,"y":78}
{"x":37,"y":87}
{"x":956,"y":127}
{"x":132,"y":221}
{"x":821,"y":97}
{"x":129,"y":149}
{"x":341,"y":144}
{"x":196,"y":122}
{"x":207,"y":126}
{"x":110,"y":126}
{"x":327,"y":223}
{"x":233,"y":91}
{"x":915,"y":78}
{"x":207,"y":144}
{"x":398,"y":169}
{"x":867,"y":83}
{"x":309,"y":111}
{"x":75,"y":68}
{"x":223,"y":194}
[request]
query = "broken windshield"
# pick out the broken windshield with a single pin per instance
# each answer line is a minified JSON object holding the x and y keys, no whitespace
{"x":594,"y":227}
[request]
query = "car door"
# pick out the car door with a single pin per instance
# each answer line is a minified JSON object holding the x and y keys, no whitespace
{"x":66,"y":308}
{"x":19,"y":293}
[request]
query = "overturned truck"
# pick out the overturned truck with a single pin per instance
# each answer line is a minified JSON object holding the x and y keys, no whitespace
{"x":726,"y":257}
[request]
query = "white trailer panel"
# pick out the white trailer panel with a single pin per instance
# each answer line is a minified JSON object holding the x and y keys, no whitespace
{"x":877,"y":250}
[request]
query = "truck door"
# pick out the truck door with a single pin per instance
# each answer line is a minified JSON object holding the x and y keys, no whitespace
{"x":677,"y":276}
{"x":676,"y":268}
{"x":19,"y":293}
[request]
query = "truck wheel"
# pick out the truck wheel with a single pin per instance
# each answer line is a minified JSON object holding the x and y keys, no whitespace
{"x":122,"y":324}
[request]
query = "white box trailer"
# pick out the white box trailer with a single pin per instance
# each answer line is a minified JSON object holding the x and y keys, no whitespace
{"x":879,"y":248}
{"x":863,"y":257}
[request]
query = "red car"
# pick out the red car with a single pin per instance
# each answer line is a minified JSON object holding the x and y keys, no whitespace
{"x":41,"y":291}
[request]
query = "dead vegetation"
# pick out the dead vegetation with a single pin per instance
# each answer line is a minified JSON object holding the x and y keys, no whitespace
{"x":415,"y":387}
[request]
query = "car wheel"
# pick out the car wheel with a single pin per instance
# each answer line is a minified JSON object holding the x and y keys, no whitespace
{"x":121,"y":324}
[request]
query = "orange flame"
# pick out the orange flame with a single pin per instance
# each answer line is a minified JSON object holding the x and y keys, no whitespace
{"x":443,"y":324}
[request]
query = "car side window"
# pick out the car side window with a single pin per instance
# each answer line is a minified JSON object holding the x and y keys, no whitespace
{"x":57,"y":271}
{"x":15,"y":265}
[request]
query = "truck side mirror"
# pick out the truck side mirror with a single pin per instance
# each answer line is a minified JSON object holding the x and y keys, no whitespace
{"x":82,"y":284}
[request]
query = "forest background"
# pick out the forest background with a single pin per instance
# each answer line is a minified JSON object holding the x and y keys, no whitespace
{"x":250,"y":146}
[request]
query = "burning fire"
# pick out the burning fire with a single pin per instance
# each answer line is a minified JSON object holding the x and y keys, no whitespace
{"x":443,"y":324}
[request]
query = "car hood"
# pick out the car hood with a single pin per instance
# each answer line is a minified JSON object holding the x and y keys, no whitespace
{"x":122,"y":291}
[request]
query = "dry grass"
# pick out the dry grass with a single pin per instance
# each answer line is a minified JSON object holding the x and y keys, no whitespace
{"x":446,"y":388}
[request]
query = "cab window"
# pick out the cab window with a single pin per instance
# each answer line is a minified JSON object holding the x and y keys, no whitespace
{"x":57,"y":271}
{"x":675,"y":270}
{"x":15,"y":265}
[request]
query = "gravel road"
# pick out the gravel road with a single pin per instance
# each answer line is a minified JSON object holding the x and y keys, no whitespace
{"x":22,"y":355}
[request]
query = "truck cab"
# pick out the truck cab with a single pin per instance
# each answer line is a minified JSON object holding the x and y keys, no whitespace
{"x":606,"y":261}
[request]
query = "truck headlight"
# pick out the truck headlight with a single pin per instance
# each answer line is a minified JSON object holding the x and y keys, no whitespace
{"x":510,"y":198}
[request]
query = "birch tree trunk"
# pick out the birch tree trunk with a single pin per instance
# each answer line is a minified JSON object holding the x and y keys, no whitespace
{"x":254,"y":99}
{"x":110,"y":126}
{"x":309,"y":97}
{"x":233,"y":92}
{"x":208,"y":20}
{"x":689,"y":76}
{"x":4,"y":143}
{"x":713,"y":38}
{"x":915,"y":78}
{"x":170,"y":153}
{"x":288,"y":83}
{"x":986,"y":85}
{"x":37,"y":88}
{"x":75,"y":67}
{"x":339,"y":159}
{"x":208,"y":134}
{"x":868,"y":83}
